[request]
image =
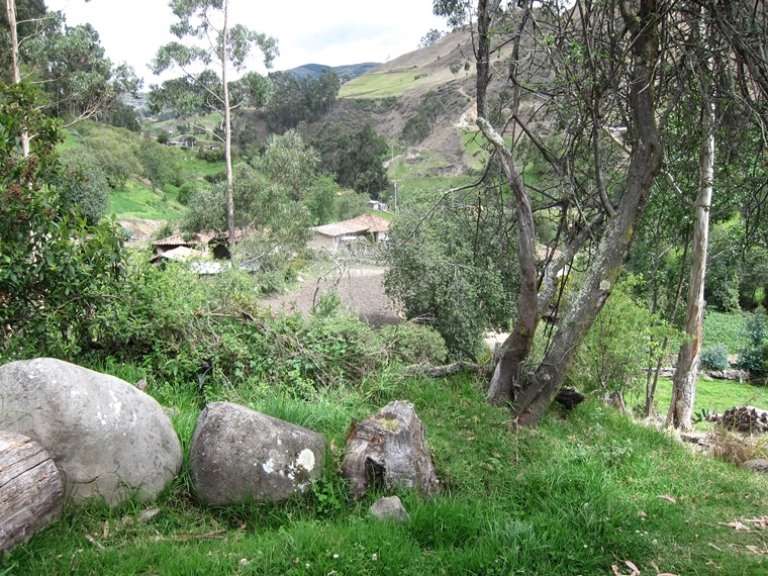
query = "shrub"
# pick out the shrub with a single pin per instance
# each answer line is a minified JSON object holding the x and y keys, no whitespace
{"x":84,"y":188}
{"x":754,"y":356}
{"x":623,"y":340}
{"x":208,"y":154}
{"x":57,"y":271}
{"x":186,"y":190}
{"x":414,"y":343}
{"x":715,"y":357}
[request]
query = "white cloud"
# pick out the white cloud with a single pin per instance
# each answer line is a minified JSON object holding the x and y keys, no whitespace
{"x":334,"y":32}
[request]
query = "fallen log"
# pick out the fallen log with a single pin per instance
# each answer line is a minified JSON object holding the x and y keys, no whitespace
{"x":31,"y":491}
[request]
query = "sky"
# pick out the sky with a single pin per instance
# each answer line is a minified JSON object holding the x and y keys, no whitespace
{"x":330,"y":32}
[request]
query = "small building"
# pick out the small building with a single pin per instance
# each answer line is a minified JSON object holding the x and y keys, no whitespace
{"x":205,"y":242}
{"x":377,"y":205}
{"x":338,"y":235}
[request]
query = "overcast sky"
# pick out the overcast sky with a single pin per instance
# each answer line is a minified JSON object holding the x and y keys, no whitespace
{"x":331,"y":32}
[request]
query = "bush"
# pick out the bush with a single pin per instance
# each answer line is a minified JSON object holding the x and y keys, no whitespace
{"x":449,"y":273}
{"x":754,"y":356}
{"x":84,"y":188}
{"x":623,"y":340}
{"x":715,"y":357}
{"x":57,"y":272}
{"x":414,"y":344}
{"x":209,"y":154}
{"x":186,"y":191}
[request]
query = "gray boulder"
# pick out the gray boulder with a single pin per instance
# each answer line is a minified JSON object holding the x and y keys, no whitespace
{"x":238,"y":454}
{"x":758,"y":465}
{"x":107,"y":438}
{"x":389,"y":508}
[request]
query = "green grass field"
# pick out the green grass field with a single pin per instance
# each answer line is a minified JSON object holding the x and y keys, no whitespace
{"x":137,"y":200}
{"x":711,"y":395}
{"x":382,"y":84}
{"x":576,"y":496}
{"x":727,"y":329}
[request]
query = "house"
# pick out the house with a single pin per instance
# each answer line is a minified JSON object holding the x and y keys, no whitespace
{"x":377,"y":205}
{"x":205,"y":242}
{"x":337,"y":235}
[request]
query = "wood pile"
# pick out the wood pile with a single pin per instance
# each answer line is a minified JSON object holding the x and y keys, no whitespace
{"x":745,"y":419}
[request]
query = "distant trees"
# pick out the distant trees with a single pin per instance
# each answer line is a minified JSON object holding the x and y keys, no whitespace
{"x":360,"y":162}
{"x":300,"y":99}
{"x":212,"y":39}
{"x":290,"y":163}
{"x":67,"y":63}
{"x":430,"y":38}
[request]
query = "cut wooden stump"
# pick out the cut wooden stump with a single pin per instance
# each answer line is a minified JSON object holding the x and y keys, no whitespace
{"x":31,"y":491}
{"x":387,"y":451}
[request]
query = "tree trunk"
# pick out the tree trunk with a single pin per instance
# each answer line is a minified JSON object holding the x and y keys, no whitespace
{"x":508,"y":372}
{"x":653,"y":378}
{"x":31,"y":492}
{"x":227,"y":131}
{"x":644,"y":165}
{"x":686,"y":372}
{"x":10,"y":8}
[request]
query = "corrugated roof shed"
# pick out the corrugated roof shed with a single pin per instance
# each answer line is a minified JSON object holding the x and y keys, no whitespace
{"x":361,"y":224}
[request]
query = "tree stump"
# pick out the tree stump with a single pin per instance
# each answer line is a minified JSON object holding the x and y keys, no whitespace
{"x":389,"y":450}
{"x":31,"y":491}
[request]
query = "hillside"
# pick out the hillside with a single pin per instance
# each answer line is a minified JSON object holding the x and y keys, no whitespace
{"x":345,"y":72}
{"x":422,"y":103}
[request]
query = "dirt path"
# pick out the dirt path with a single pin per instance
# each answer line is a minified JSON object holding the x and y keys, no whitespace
{"x":360,"y":290}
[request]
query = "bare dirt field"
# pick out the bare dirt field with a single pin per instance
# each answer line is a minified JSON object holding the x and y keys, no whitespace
{"x":360,"y":290}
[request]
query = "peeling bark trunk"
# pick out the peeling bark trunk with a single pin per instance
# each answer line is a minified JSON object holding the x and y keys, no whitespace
{"x":10,"y":9}
{"x":227,"y":132}
{"x":687,"y":369}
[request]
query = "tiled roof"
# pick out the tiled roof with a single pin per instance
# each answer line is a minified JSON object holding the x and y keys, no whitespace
{"x":361,"y":224}
{"x":202,"y":237}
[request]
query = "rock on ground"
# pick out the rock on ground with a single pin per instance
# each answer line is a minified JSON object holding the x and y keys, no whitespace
{"x":238,"y":454}
{"x":389,"y":508}
{"x":107,"y":438}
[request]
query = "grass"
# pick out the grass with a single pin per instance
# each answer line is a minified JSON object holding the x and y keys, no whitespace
{"x":722,"y":328}
{"x":711,"y":395}
{"x":136,"y":200}
{"x":382,"y":85}
{"x":574,"y":496}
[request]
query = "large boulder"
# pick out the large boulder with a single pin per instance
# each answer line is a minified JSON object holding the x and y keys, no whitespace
{"x":107,"y":438}
{"x":388,"y":451}
{"x":238,"y":454}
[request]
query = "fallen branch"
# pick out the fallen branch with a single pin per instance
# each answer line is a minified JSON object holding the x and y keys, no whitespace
{"x":569,"y":398}
{"x":190,"y":537}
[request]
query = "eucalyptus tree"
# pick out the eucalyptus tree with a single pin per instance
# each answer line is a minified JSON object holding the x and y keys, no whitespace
{"x":718,"y":90}
{"x":206,"y":37}
{"x":581,"y":70}
{"x":581,"y":84}
{"x":67,"y":63}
